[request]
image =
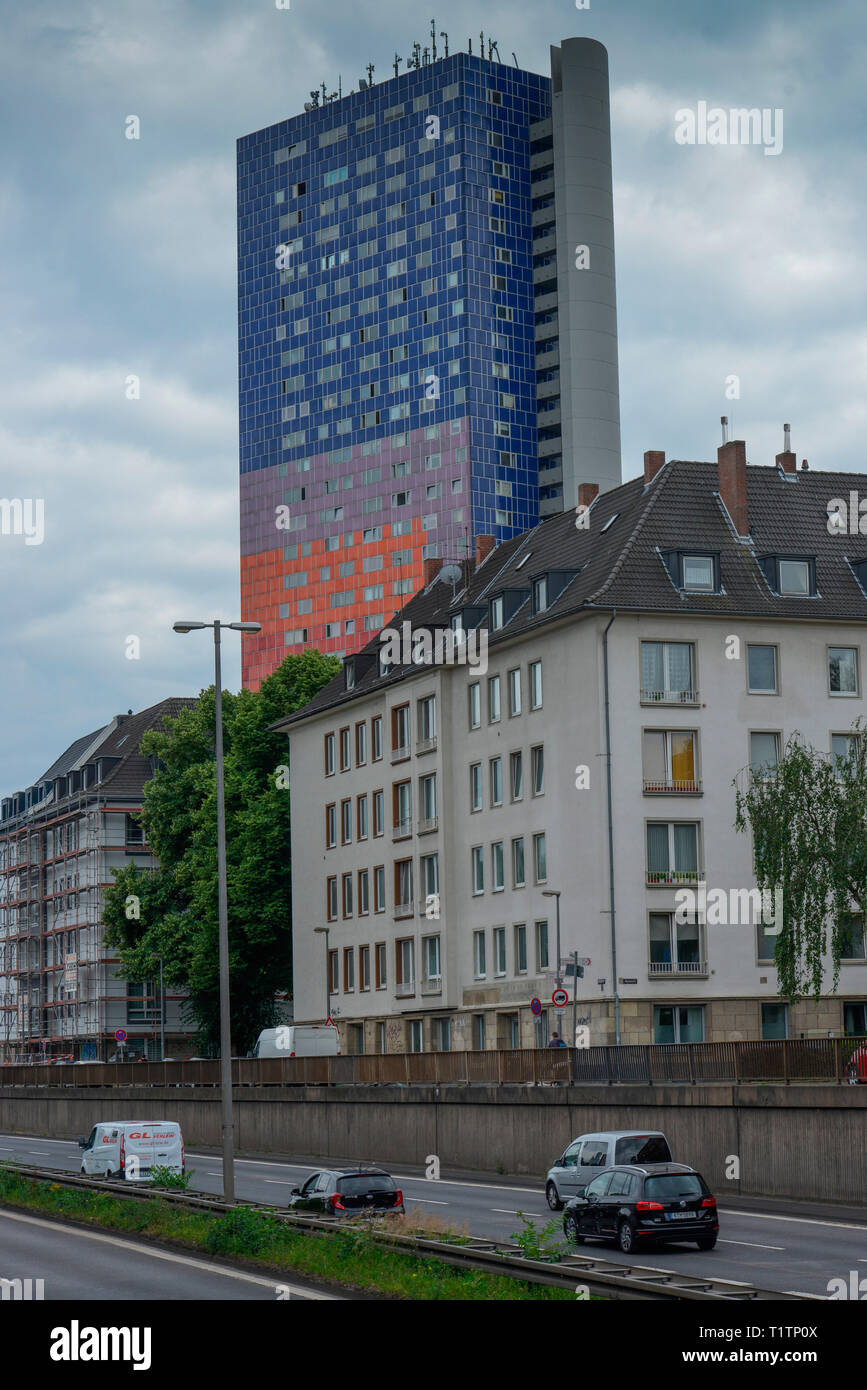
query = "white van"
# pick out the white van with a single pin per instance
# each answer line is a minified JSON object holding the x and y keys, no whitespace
{"x":307,"y":1040}
{"x":130,"y":1148}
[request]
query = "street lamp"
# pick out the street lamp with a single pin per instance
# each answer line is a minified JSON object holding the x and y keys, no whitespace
{"x":555,"y":893}
{"x":222,"y":894}
{"x":323,"y":931}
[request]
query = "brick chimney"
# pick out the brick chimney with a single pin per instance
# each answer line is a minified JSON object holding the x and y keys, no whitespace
{"x":732,"y":464}
{"x":654,"y":459}
{"x":484,"y":546}
{"x":786,"y":460}
{"x":432,"y":567}
{"x":586,"y":493}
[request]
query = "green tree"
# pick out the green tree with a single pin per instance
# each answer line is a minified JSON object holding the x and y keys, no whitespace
{"x":172,"y":912}
{"x":808,"y":819}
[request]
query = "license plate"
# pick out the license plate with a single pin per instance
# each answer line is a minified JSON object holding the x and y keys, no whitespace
{"x":681,"y":1215}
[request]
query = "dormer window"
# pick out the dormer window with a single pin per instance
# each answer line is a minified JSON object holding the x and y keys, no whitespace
{"x":349,"y":675}
{"x":693,"y":572}
{"x":698,"y":573}
{"x":794,"y":577}
{"x":547,"y":588}
{"x":791,"y":576}
{"x":504,"y":606}
{"x":540,"y":594}
{"x":496,"y":613}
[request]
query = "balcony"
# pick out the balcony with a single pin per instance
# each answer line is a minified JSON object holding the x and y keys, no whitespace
{"x":402,"y":830}
{"x":669,"y":969}
{"x":434,"y":985}
{"x":661,"y":878}
{"x":427,"y":827}
{"x":400,"y":754}
{"x":674,"y":787}
{"x":403,"y":910}
{"x":669,"y":697}
{"x":404,"y":988}
{"x":426,"y":745}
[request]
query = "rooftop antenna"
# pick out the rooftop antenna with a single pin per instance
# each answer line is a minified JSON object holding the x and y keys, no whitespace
{"x":433,"y":38}
{"x":482,"y":43}
{"x":786,"y":448}
{"x":324,"y":89}
{"x":397,"y":62}
{"x":370,"y":71}
{"x":515,"y":56}
{"x":444,"y":35}
{"x":496,"y":49}
{"x":339,"y":85}
{"x":470,"y":47}
{"x":724,"y":421}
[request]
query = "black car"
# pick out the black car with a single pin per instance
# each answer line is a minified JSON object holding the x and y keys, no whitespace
{"x":348,"y":1192}
{"x":634,"y":1202}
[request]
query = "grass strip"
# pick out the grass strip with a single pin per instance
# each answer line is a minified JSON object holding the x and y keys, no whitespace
{"x":349,"y":1257}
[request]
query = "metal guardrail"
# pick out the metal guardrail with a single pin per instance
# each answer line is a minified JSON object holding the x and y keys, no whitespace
{"x":600,"y":1276}
{"x":828,"y":1060}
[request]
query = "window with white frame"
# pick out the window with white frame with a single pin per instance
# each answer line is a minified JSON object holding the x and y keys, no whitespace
{"x":672,"y":852}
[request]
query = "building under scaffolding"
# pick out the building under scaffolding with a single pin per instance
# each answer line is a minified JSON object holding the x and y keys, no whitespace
{"x":60,"y":991}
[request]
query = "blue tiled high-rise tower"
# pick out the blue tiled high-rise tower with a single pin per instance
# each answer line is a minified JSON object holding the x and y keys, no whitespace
{"x":400,"y":359}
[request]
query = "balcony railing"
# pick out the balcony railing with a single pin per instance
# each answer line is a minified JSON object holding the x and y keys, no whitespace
{"x":669,"y":697}
{"x":400,"y":754}
{"x":676,"y":967}
{"x":683,"y":787}
{"x":663,"y":876}
{"x":432,"y":985}
{"x":402,"y":830}
{"x":404,"y":909}
{"x":426,"y":745}
{"x":426,"y":826}
{"x":404,"y":988}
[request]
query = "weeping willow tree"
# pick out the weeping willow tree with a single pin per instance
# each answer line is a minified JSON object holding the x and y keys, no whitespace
{"x":808,"y":818}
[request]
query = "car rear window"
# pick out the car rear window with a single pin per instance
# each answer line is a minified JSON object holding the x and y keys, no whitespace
{"x":371,"y":1182}
{"x":668,"y":1185}
{"x":642,"y":1148}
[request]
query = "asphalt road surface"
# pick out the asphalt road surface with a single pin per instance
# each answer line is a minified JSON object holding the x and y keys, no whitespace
{"x":78,"y":1265}
{"x":779,"y":1251}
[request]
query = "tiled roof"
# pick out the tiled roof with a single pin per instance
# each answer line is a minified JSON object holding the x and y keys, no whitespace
{"x":620,"y":565}
{"x":69,"y":758}
{"x":127,"y":779}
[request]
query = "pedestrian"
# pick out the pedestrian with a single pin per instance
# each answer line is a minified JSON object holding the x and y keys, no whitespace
{"x":556,"y":1041}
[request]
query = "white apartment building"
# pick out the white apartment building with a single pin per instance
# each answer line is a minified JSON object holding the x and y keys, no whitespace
{"x":709,"y":611}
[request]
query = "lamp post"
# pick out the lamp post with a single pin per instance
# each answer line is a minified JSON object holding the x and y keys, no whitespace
{"x":223,"y":910}
{"x":162,"y":1013}
{"x":323,"y":931}
{"x":555,"y":893}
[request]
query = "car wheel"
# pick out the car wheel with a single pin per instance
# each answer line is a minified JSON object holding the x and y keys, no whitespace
{"x":706,"y":1243}
{"x":625,"y":1237}
{"x":570,"y":1229}
{"x":552,"y":1197}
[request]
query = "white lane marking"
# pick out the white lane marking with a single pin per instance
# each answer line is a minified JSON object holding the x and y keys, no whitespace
{"x":504,"y":1211}
{"x":752,"y":1243}
{"x":43,"y":1152}
{"x":429,"y":1201}
{"x":804,"y":1220}
{"x":280,"y":1182}
{"x":164,"y":1255}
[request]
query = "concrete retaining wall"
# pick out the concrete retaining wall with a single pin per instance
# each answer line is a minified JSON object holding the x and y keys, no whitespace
{"x":790,"y":1141}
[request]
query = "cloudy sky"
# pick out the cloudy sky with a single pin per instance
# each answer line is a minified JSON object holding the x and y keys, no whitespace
{"x":118,"y":260}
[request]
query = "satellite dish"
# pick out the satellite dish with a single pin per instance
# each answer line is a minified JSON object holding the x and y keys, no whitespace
{"x":450,"y":574}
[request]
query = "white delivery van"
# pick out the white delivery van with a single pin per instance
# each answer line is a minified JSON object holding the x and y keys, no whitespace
{"x":130,"y":1148}
{"x":298,"y":1040}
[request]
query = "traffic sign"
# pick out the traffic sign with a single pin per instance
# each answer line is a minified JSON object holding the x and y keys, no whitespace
{"x":120,"y":1035}
{"x":559,"y":998}
{"x":536,"y":1006}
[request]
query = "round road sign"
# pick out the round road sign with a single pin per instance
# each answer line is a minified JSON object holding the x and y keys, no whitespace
{"x":120,"y":1035}
{"x":536,"y":1006}
{"x":560,"y":997}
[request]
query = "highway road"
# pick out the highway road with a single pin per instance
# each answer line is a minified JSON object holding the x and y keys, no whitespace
{"x":781,"y":1251}
{"x":76,"y":1264}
